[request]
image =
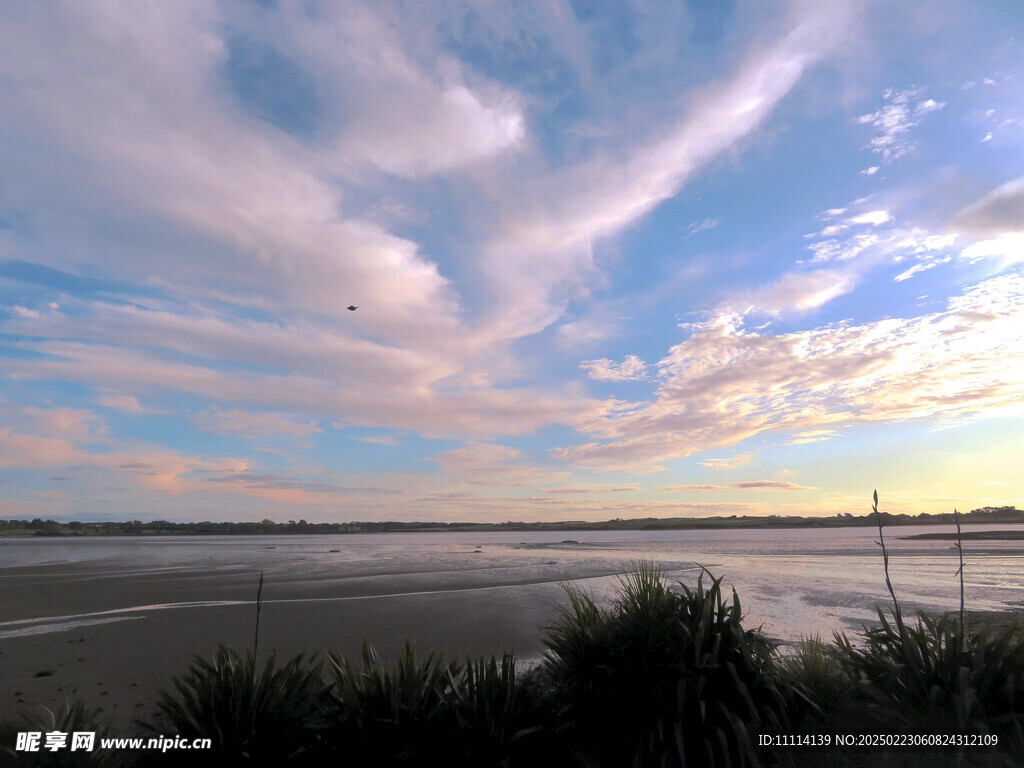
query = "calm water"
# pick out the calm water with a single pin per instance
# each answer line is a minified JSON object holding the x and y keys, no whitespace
{"x":793,"y":582}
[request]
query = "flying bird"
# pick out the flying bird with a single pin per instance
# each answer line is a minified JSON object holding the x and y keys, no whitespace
{"x":350,"y":308}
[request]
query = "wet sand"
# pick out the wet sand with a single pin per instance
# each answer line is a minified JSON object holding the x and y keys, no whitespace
{"x":117,"y":660}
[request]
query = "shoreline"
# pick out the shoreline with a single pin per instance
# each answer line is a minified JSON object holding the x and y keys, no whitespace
{"x":117,"y":661}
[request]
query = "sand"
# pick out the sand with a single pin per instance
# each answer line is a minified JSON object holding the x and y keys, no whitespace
{"x":118,"y":666}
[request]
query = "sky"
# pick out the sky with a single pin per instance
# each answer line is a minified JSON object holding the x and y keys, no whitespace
{"x":611,"y":259}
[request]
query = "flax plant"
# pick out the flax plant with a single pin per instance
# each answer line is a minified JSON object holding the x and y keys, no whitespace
{"x":662,"y":677}
{"x":938,"y":676}
{"x":253,"y":716}
{"x":390,"y":715}
{"x":72,"y":717}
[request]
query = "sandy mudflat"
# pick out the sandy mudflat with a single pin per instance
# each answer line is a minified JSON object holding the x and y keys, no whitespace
{"x":120,"y":663}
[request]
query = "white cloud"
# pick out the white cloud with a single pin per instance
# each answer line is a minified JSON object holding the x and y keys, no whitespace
{"x":874,"y":218}
{"x":794,"y":292}
{"x":450,"y":130}
{"x":546,"y":249}
{"x":920,"y":267}
{"x":871,"y":171}
{"x":696,"y":227}
{"x":632,"y":368}
{"x":813,"y":436}
{"x":1007,"y":248}
{"x":726,"y":384}
{"x":893,"y":123}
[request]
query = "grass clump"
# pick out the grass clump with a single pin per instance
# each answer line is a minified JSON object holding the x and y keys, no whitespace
{"x":938,"y":675}
{"x":71,"y":718}
{"x":252,"y":715}
{"x":934,"y":676}
{"x":427,"y":711}
{"x":388,"y":715}
{"x":662,"y":676}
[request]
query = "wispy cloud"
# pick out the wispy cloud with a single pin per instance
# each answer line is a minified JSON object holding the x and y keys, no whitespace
{"x":252,"y":426}
{"x":128,"y":404}
{"x":732,"y":462}
{"x":770,"y":485}
{"x":593,"y":490}
{"x":632,"y":368}
{"x":727,"y":384}
{"x":700,"y":226}
{"x":903,"y":111}
{"x":700,"y":488}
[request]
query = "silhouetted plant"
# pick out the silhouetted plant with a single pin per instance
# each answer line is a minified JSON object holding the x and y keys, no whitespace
{"x":71,"y":718}
{"x":391,"y":715}
{"x":938,"y":675}
{"x":251,"y":715}
{"x":662,"y":677}
{"x":429,"y":711}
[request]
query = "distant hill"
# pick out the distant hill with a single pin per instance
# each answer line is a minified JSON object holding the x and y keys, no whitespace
{"x":38,"y":527}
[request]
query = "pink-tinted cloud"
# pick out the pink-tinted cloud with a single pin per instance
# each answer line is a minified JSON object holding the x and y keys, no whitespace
{"x":726,"y":384}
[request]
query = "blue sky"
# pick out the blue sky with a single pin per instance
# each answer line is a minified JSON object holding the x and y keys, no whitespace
{"x":622,"y":259}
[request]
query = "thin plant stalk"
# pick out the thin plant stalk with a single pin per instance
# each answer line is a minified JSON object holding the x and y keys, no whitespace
{"x":960,"y":570}
{"x":259,"y":609}
{"x":885,"y":560}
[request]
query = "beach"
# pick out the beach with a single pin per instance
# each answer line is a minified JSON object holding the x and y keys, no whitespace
{"x":118,"y":661}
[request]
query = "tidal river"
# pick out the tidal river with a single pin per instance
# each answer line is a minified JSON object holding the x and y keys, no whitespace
{"x":122,"y":614}
{"x":794,"y":582}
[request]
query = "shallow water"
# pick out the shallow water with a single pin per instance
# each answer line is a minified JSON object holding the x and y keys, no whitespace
{"x":794,"y":582}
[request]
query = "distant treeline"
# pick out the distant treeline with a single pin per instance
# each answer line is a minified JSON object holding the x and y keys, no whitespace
{"x":40,"y":527}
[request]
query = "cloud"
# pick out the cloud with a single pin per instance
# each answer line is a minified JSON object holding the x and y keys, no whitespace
{"x":696,"y":227}
{"x":126,"y":404}
{"x":152,"y":468}
{"x":76,"y":425}
{"x":325,"y":375}
{"x":801,"y":291}
{"x":1007,"y":248}
{"x":154,"y":155}
{"x":696,"y":488}
{"x":1000,"y":212}
{"x":491,"y":464}
{"x":455,"y":128}
{"x":813,"y":436}
{"x":770,"y":485}
{"x":271,"y":481}
{"x":904,"y":110}
{"x":874,"y":218}
{"x":390,"y":441}
{"x":632,"y":368}
{"x":920,"y":267}
{"x":732,"y":462}
{"x":252,"y":426}
{"x":594,"y":490}
{"x":726,"y":384}
{"x":220,"y":197}
{"x":544,"y":252}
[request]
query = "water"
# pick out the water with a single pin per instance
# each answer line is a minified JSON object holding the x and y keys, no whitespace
{"x":793,"y":583}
